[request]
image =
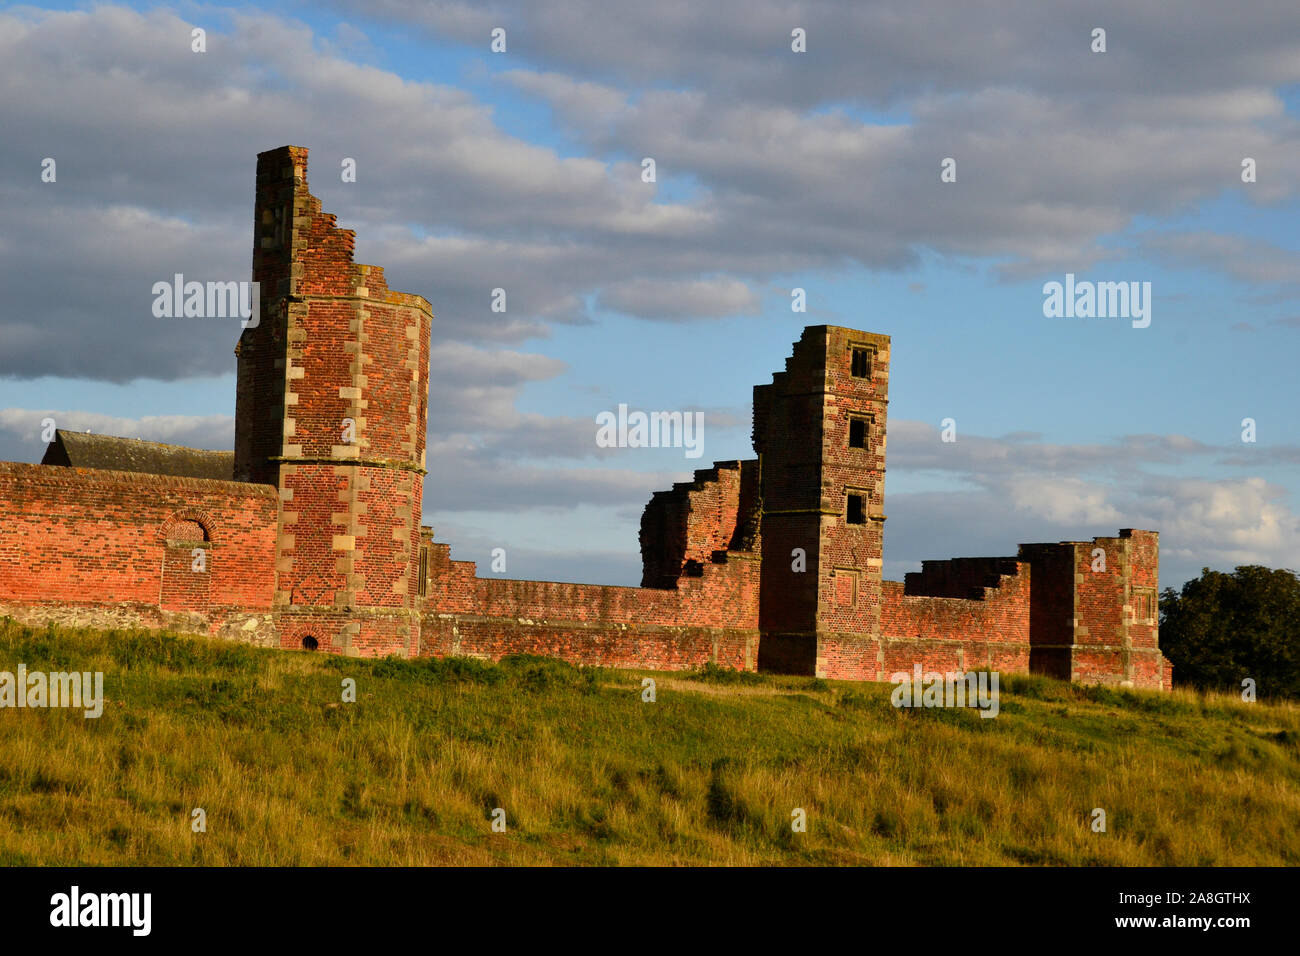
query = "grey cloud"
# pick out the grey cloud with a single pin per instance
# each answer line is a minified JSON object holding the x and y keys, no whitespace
{"x":674,"y":300}
{"x":466,"y":483}
{"x":459,"y":363}
{"x":1261,"y":456}
{"x":918,"y":446}
{"x":135,"y":203}
{"x":1033,"y":491}
{"x":454,"y":206}
{"x":1243,"y":258}
{"x":873,"y":54}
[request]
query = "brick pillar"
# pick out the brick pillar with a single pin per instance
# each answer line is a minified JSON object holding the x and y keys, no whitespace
{"x":1116,"y":632}
{"x":332,"y":408}
{"x":819,"y":430}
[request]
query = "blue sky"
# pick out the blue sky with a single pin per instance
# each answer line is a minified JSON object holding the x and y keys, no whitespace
{"x":775,"y":170}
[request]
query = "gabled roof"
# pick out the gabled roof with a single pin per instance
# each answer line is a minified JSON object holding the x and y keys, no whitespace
{"x":82,"y":450}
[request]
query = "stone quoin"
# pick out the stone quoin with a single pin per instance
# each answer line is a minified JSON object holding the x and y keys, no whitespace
{"x":309,"y":535}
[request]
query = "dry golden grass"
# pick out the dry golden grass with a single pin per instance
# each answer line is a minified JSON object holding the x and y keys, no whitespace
{"x":587,"y":773}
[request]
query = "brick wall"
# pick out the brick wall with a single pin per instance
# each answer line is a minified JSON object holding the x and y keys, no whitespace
{"x":987,"y":632}
{"x":1051,"y":607}
{"x":1054,"y":610}
{"x":77,"y":538}
{"x":788,"y":432}
{"x":1116,"y":629}
{"x":958,"y":577}
{"x":712,"y":617}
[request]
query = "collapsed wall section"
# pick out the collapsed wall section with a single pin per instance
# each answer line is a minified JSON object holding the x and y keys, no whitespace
{"x":696,"y":521}
{"x":925,"y":621}
{"x":85,"y":547}
{"x":712,"y":617}
{"x":987,"y":628}
{"x":959,"y":577}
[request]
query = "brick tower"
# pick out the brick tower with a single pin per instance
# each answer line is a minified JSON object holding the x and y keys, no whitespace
{"x":331,"y":407}
{"x":819,"y":430}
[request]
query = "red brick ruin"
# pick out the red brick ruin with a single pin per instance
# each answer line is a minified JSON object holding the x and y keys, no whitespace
{"x":310,"y":535}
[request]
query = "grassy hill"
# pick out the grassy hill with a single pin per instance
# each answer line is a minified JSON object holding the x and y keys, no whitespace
{"x":289,"y":774}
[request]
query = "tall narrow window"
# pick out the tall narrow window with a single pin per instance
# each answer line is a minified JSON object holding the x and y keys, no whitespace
{"x":861,"y":365}
{"x":859,"y":430}
{"x":857,"y":509}
{"x":423,"y":586}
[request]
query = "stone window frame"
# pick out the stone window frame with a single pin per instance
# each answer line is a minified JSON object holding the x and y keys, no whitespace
{"x":869,"y":427}
{"x":871,"y":351}
{"x":1154,"y":605}
{"x":863,"y":493}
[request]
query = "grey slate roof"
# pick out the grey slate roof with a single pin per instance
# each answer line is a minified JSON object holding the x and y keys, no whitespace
{"x":81,"y":450}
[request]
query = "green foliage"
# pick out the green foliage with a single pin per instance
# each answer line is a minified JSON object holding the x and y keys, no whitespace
{"x":1223,"y":628}
{"x":433,"y":671}
{"x":1035,"y":687}
{"x":536,"y":673}
{"x":711,"y":673}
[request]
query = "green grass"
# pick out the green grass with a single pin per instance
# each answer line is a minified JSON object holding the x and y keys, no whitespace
{"x":289,"y":774}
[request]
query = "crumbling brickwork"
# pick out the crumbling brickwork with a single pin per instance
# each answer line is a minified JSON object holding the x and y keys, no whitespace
{"x":332,"y":409}
{"x":698,"y":521}
{"x":772,"y":563}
